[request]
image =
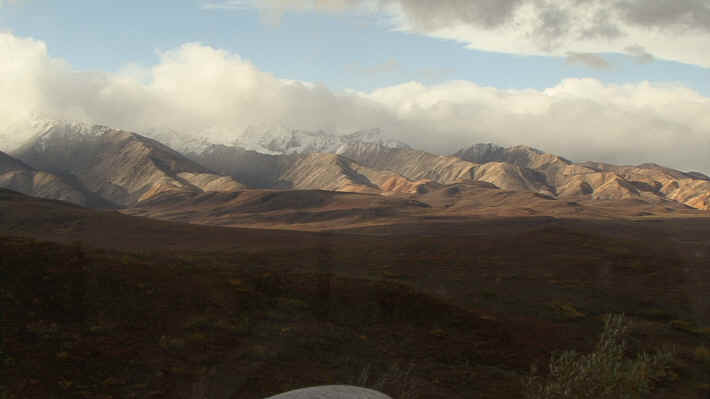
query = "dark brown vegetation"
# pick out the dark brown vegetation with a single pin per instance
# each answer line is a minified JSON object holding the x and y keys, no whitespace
{"x":143,"y":308}
{"x":605,"y":373}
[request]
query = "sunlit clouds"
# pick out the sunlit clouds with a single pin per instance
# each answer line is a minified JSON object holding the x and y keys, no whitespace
{"x":201,"y":90}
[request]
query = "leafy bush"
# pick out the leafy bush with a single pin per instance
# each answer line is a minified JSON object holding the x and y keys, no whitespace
{"x":604,"y":373}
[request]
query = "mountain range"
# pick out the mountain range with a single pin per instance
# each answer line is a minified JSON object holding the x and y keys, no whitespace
{"x":99,"y":166}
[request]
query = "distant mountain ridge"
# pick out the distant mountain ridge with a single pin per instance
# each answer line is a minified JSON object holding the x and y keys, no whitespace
{"x":282,"y":140}
{"x":121,"y":167}
{"x":275,"y":140}
{"x":598,"y":180}
{"x":78,"y":161}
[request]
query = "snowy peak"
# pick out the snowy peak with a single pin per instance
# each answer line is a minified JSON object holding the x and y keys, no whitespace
{"x":275,"y":140}
{"x":119,"y":166}
{"x":66,"y":130}
{"x":179,"y":141}
{"x":282,"y":140}
{"x":374,"y":136}
{"x":14,"y":136}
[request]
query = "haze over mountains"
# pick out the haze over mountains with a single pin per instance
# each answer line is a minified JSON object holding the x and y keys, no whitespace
{"x":100,"y":166}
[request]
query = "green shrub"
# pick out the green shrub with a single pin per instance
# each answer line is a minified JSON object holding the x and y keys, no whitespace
{"x":605,"y":373}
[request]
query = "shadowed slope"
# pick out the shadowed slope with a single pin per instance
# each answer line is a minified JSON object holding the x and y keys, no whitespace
{"x":278,"y":208}
{"x":313,"y":171}
{"x":412,"y":164}
{"x":16,"y":175}
{"x":120,"y":166}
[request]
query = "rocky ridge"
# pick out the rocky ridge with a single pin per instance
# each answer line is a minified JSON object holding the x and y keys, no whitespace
{"x":121,"y":167}
{"x":17,"y":176}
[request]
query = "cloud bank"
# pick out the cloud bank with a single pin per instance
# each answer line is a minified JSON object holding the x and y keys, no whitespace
{"x":205,"y":91}
{"x":677,"y":30}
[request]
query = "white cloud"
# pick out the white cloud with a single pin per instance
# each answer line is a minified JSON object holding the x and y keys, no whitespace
{"x":677,"y":30}
{"x":583,"y":119}
{"x":197,"y":89}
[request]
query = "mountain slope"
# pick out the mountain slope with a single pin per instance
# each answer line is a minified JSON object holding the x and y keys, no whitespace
{"x":120,"y":166}
{"x":282,"y":140}
{"x":337,"y":173}
{"x":420,"y":165}
{"x":411,"y":164}
{"x":486,"y":200}
{"x":16,"y":175}
{"x":553,"y":167}
{"x":512,"y":177}
{"x":277,"y":208}
{"x":326,"y":172}
{"x":252,"y":168}
{"x":320,"y":171}
{"x":598,"y":180}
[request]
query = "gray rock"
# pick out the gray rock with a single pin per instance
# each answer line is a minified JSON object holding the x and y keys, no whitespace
{"x":332,"y":392}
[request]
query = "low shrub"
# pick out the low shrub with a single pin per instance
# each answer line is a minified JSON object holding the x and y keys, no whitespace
{"x":605,"y":373}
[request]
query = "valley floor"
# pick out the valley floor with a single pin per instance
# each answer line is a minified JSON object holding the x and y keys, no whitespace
{"x":100,"y":304}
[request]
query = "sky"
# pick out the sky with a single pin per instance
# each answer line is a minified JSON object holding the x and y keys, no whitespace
{"x":623,"y":81}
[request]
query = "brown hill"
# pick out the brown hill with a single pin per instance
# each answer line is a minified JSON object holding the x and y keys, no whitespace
{"x":411,"y":164}
{"x":313,"y":171}
{"x":21,"y":215}
{"x":596,"y":180}
{"x":327,"y":172}
{"x":420,"y":165}
{"x":329,"y":210}
{"x":486,"y":200}
{"x":332,"y":172}
{"x":16,"y":175}
{"x":512,"y":177}
{"x":122,"y":167}
{"x":311,"y":209}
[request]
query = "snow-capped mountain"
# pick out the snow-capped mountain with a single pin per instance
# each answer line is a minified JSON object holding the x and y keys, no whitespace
{"x":121,"y":167}
{"x":16,"y":135}
{"x":278,"y":140}
{"x":374,"y":136}
{"x":180,"y":141}
{"x":282,"y":140}
{"x":124,"y":168}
